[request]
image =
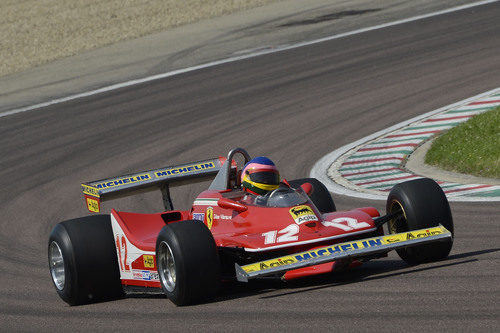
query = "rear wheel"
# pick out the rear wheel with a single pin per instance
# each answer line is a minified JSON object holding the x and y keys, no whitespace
{"x":188,"y":263}
{"x":82,"y":260}
{"x":320,"y":195}
{"x":422,"y":204}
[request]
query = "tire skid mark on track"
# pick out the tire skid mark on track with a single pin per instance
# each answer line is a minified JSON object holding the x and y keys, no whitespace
{"x":373,"y":165}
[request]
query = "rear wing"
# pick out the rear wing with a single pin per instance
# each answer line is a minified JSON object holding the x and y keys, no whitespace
{"x":98,"y":191}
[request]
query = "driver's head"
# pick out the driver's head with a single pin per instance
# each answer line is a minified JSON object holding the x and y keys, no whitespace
{"x":260,"y":176}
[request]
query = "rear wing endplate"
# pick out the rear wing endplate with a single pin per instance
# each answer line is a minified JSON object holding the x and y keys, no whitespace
{"x":354,"y":249}
{"x":98,"y":191}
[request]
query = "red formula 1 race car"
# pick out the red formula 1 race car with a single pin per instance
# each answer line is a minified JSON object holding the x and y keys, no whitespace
{"x":290,"y":232}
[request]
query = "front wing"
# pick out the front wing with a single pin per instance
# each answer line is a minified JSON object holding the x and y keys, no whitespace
{"x":354,"y":249}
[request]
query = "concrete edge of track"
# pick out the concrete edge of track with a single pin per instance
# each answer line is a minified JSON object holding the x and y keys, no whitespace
{"x":369,"y":167}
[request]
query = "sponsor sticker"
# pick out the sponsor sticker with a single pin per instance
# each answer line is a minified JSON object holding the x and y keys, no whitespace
{"x":199,"y":216}
{"x":89,"y":190}
{"x":210,"y":217}
{"x":389,"y":239}
{"x":184,"y":170}
{"x":269,"y":264}
{"x":302,"y":214}
{"x":145,"y":275}
{"x":92,"y":205}
{"x":223,"y":217}
{"x":123,"y":181}
{"x":154,"y":276}
{"x":149,"y":261}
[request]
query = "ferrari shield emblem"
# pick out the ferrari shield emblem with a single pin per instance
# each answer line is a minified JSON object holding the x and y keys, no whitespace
{"x":209,"y":217}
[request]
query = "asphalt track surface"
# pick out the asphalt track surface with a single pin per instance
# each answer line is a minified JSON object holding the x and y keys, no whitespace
{"x":294,"y":107}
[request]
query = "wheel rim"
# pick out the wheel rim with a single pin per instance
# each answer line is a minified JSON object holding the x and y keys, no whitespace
{"x":397,"y":224}
{"x":166,"y":266}
{"x":56,"y":262}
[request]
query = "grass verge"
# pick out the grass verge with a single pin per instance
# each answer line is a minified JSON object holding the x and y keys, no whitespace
{"x":472,"y":147}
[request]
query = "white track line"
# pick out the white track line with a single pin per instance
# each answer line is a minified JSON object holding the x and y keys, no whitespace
{"x":238,"y":58}
{"x":320,"y":168}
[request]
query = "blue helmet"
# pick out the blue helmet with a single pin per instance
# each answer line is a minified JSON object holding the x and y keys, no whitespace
{"x":260,"y":176}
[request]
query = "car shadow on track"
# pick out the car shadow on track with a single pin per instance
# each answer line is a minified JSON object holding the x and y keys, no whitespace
{"x":372,"y":270}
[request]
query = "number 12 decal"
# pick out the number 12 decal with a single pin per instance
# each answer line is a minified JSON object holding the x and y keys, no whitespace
{"x":345,"y":223}
{"x":122,"y":253}
{"x":288,"y":234}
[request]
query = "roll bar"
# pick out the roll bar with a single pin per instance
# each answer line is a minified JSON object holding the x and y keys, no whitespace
{"x":223,"y":179}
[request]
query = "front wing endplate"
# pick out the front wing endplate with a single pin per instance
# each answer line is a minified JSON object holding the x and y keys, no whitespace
{"x":353,"y":249}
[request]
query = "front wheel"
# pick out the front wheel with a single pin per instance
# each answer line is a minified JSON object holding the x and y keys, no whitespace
{"x":420,"y":204}
{"x":83,"y":262}
{"x":188,"y":263}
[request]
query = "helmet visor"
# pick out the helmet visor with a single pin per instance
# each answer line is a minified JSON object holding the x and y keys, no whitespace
{"x":265,"y":177}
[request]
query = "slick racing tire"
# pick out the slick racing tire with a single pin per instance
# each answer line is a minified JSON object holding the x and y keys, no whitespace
{"x":83,"y":262}
{"x":320,"y":195}
{"x":188,"y":263}
{"x":423,"y":204}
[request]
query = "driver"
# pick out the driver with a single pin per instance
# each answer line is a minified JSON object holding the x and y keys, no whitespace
{"x":260,"y":176}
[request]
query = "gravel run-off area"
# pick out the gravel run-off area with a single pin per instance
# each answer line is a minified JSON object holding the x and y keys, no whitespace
{"x":34,"y":32}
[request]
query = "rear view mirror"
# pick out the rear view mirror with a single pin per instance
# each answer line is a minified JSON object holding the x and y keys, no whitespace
{"x":231,"y":204}
{"x":307,"y":187}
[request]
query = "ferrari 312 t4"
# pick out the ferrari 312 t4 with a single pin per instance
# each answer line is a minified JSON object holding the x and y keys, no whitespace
{"x":291,"y":232}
